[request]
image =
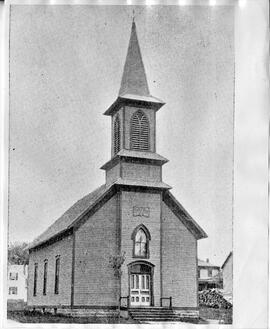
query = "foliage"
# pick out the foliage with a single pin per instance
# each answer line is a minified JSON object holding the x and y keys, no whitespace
{"x":116,"y":263}
{"x":18,"y":253}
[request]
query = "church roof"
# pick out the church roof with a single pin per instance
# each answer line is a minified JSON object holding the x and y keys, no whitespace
{"x":184,"y":216}
{"x":140,"y":183}
{"x":147,"y":156}
{"x":67,"y":219}
{"x":134,"y":86}
{"x":73,"y":215}
{"x":134,"y":78}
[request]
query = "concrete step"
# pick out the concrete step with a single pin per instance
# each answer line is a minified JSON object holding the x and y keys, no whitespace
{"x":155,"y":318}
{"x":157,"y":314}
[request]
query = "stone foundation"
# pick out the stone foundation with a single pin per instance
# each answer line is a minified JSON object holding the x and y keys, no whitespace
{"x":79,"y":312}
{"x":194,"y":314}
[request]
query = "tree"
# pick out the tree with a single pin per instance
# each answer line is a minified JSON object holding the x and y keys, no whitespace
{"x":116,"y":263}
{"x":18,"y":253}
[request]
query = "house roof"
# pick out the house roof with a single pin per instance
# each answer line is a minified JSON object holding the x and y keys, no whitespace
{"x":226,"y":260}
{"x":203,"y":263}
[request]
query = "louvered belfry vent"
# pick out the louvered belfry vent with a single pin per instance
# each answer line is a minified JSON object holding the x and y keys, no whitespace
{"x":139,"y":132}
{"x":116,"y":130}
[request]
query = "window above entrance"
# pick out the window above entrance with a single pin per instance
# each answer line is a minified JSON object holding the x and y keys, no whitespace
{"x":141,"y":237}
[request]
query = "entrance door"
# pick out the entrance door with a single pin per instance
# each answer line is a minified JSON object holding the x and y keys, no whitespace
{"x":140,"y":290}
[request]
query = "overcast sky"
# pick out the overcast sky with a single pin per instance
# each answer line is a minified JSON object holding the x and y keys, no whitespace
{"x":66,"y":64}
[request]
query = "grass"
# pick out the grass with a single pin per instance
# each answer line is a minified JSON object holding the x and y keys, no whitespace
{"x":39,"y":317}
{"x":223,"y":315}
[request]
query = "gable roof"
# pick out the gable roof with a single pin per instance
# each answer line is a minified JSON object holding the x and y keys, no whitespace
{"x":68,"y":218}
{"x":226,"y":260}
{"x":203,"y":263}
{"x":71,"y":217}
{"x":184,"y":216}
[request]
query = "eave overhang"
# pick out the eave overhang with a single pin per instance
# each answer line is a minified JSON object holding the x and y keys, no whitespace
{"x":135,"y":156}
{"x":184,"y":216}
{"x":134,"y":100}
{"x":142,"y":184}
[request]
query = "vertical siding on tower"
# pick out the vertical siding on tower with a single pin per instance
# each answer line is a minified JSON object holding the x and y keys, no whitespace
{"x":179,"y":259}
{"x":63,"y":248}
{"x":95,"y":241}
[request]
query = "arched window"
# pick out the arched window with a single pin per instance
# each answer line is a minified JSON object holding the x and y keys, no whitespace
{"x":141,"y":237}
{"x":116,"y":131}
{"x":139,"y":132}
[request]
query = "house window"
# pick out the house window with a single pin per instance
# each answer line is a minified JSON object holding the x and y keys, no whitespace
{"x":116,"y":131}
{"x":13,"y":291}
{"x":45,"y":277}
{"x":209,"y":272}
{"x":35,"y":279}
{"x":139,"y":132}
{"x":13,"y":276}
{"x":141,"y":237}
{"x":57,"y":270}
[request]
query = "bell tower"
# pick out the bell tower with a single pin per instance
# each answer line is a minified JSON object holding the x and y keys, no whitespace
{"x":133,"y":117}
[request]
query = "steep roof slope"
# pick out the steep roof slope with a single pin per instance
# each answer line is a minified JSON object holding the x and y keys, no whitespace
{"x":67,"y":219}
{"x":134,"y":80}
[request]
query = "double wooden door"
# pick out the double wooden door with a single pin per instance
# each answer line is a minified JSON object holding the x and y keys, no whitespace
{"x":140,"y":294}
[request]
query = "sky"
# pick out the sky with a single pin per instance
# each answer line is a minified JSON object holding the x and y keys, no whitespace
{"x":66,"y":64}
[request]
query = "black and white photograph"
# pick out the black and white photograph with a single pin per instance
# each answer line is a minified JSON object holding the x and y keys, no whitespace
{"x":121,"y":164}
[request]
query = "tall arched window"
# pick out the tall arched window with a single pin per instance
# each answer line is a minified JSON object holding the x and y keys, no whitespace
{"x":141,"y":237}
{"x":116,"y":132}
{"x":139,"y":132}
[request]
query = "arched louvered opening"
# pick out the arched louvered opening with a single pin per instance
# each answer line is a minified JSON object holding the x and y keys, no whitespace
{"x":116,"y":132}
{"x":139,"y":132}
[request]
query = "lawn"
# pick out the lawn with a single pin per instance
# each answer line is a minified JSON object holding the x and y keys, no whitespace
{"x":223,"y":315}
{"x":38,"y":317}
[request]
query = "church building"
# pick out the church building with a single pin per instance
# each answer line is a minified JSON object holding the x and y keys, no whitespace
{"x":130,"y":240}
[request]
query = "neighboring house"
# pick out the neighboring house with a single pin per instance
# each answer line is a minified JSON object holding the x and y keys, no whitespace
{"x":17,"y":282}
{"x":227,"y":273}
{"x":209,"y":275}
{"x":133,"y":213}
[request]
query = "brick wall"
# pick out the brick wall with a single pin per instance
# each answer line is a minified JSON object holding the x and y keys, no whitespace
{"x":64,"y":249}
{"x":129,"y":223}
{"x":179,"y":264}
{"x":95,"y":241}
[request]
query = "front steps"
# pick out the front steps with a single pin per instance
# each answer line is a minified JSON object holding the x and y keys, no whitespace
{"x":157,"y":314}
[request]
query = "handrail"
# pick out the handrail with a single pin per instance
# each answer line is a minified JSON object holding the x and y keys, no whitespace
{"x":124,"y":297}
{"x":170,"y":299}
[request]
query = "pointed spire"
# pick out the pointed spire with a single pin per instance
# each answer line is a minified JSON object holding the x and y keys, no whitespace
{"x":134,"y":80}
